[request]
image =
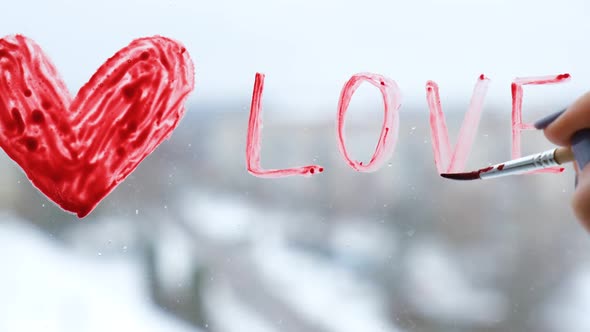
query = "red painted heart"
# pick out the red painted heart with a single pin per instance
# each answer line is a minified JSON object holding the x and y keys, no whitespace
{"x":77,"y":150}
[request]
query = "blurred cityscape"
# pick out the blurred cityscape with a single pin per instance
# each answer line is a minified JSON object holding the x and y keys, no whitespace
{"x":192,"y":242}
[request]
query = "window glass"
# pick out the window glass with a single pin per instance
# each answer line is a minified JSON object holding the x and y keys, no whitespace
{"x":191,"y":241}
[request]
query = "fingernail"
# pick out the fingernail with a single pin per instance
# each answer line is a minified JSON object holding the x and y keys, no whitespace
{"x":576,"y":182}
{"x":546,"y":121}
{"x":581,"y":147}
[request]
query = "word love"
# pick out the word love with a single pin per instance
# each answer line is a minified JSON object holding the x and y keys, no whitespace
{"x":446,"y":158}
{"x":76,"y":150}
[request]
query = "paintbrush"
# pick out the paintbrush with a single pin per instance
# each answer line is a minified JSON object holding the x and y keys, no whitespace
{"x":549,"y":158}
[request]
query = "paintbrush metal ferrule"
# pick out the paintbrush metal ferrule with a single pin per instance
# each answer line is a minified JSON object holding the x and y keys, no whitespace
{"x":522,"y":165}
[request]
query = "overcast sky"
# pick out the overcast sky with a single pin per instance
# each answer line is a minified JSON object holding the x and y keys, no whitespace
{"x":308,"y":49}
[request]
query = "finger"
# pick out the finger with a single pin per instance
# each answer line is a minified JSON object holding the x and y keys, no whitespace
{"x":575,"y":118}
{"x":581,"y":199}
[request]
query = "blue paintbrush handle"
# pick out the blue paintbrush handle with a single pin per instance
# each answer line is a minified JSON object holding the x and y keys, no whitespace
{"x":581,"y":147}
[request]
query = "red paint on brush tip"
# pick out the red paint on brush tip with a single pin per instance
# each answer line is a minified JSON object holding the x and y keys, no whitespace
{"x":76,"y":150}
{"x":487,"y":169}
{"x":468,"y":175}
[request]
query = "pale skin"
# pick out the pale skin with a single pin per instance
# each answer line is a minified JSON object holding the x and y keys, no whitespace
{"x":560,"y":132}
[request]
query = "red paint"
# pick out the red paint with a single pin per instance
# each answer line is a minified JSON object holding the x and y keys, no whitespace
{"x":484,"y":170}
{"x":467,"y":175}
{"x":441,"y":146}
{"x":562,"y":76}
{"x":517,"y":124}
{"x":389,"y":131}
{"x":253,"y":141}
{"x":461,"y":176}
{"x":77,"y":150}
{"x":500,"y":167}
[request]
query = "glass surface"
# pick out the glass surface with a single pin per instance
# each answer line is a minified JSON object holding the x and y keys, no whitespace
{"x":191,"y":242}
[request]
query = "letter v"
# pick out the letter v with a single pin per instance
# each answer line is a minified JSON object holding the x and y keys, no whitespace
{"x":445,"y":162}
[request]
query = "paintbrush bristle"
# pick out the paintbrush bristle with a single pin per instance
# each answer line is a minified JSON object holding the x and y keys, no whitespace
{"x":461,"y":176}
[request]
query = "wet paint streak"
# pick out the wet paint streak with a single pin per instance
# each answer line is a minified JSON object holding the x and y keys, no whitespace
{"x":390,"y":129}
{"x":445,"y":161}
{"x":474,"y":175}
{"x":77,"y":150}
{"x":517,"y":124}
{"x":253,"y":141}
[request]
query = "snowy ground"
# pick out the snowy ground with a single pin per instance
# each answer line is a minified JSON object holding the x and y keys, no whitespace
{"x":260,"y":279}
{"x":46,"y":287}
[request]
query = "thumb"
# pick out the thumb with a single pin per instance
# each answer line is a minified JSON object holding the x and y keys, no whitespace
{"x":581,"y":199}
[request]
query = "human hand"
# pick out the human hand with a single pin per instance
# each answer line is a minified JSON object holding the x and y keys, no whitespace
{"x":572,"y":127}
